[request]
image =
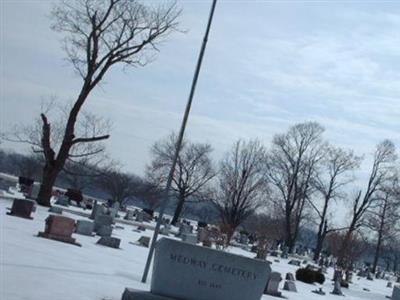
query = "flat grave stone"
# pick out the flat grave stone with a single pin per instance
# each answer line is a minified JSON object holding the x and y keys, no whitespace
{"x":59,"y":228}
{"x":56,"y":210}
{"x":22,"y":208}
{"x":290,"y":286}
{"x":108,"y":241}
{"x":144,"y":241}
{"x":273,"y":284}
{"x":295,"y":262}
{"x":319,"y":292}
{"x":84,"y":227}
{"x":396,"y":293}
{"x":185,"y":271}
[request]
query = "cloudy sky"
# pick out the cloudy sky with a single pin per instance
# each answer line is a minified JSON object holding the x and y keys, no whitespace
{"x":268,"y":65}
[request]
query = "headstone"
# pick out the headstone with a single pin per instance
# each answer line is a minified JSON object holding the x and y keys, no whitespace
{"x":62,"y":200}
{"x":184,"y":229}
{"x":22,"y":208}
{"x":141,"y":228}
{"x":165,"y":230}
{"x":273,"y":284}
{"x":129,"y":215}
{"x":262,"y":253}
{"x":102,"y":220}
{"x":289,"y":276}
{"x":98,"y":209}
{"x":396,"y":293}
{"x":285,"y":252}
{"x":144,"y":241}
{"x":139,"y":217}
{"x":370,"y":276}
{"x":189,"y":238}
{"x":207,"y":243}
{"x":389,"y":284}
{"x":56,"y":210}
{"x":295,"y":262}
{"x":290,"y":286}
{"x":109,"y":242}
{"x":202,"y":234}
{"x":59,"y":228}
{"x":84,"y":227}
{"x":185,"y":271}
{"x":104,"y":230}
{"x":337,"y":290}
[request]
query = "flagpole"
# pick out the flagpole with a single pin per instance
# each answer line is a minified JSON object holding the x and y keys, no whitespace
{"x":178,"y":144}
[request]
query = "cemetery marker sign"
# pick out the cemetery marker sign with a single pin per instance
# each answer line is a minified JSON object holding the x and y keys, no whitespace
{"x":185,"y":271}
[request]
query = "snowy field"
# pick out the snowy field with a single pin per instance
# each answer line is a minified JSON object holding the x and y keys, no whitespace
{"x":33,"y":268}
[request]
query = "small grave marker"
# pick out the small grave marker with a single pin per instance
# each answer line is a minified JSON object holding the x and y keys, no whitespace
{"x":22,"y":208}
{"x":112,"y":242}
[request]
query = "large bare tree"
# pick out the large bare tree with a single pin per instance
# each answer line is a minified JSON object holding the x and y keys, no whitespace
{"x":192,"y":174}
{"x":363,"y":201}
{"x":292,"y":163}
{"x":99,"y":34}
{"x":241,"y":184}
{"x":335,"y":173}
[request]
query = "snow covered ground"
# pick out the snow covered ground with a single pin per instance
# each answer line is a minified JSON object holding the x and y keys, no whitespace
{"x":33,"y":268}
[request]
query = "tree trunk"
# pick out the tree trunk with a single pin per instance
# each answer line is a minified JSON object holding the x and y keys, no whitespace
{"x":178,"y":210}
{"x":49,"y":177}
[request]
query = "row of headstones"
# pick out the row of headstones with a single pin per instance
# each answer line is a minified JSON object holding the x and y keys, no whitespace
{"x":273,"y":284}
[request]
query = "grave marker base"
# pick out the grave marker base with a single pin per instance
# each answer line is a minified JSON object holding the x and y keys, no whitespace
{"x":59,"y":238}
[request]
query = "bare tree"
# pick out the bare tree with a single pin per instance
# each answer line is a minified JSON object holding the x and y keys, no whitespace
{"x":292,"y":164}
{"x":193,"y":171}
{"x":118,"y":185}
{"x":382,"y":168}
{"x":99,"y":34}
{"x":242,"y":184}
{"x":384,"y":215}
{"x":335,"y":173}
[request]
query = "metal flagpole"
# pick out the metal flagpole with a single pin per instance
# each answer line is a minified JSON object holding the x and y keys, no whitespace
{"x":178,"y":144}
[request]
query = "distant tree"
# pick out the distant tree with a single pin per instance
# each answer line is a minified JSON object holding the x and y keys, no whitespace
{"x":381,"y":173}
{"x":335,"y":173}
{"x":241,"y":184}
{"x":192,"y":174}
{"x":384,"y":215}
{"x":292,"y":163}
{"x":118,"y":185}
{"x":97,"y":36}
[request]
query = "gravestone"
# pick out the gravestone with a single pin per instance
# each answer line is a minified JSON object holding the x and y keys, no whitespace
{"x":184,"y":271}
{"x":273,"y":284}
{"x":290,"y":286}
{"x":389,"y":285}
{"x":295,"y":262}
{"x":144,"y":241}
{"x":370,"y":276}
{"x":207,"y":243}
{"x":109,"y":242}
{"x":202,"y":234}
{"x":98,"y":209}
{"x":129,"y":215}
{"x":289,"y":276}
{"x":56,"y":210}
{"x":285,"y":252}
{"x":22,"y":208}
{"x":59,"y":228}
{"x":62,"y":200}
{"x":396,"y":293}
{"x":84,"y":227}
{"x":189,"y":238}
{"x":337,"y":289}
{"x":139,"y":217}
{"x":102,"y":220}
{"x":104,"y":230}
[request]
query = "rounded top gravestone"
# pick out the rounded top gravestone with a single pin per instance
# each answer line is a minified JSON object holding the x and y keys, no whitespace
{"x":186,"y":271}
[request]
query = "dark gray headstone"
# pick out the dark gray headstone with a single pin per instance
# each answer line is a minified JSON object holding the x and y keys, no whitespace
{"x":289,"y":276}
{"x":290,"y":286}
{"x":102,"y":220}
{"x":144,"y":241}
{"x":104,"y":230}
{"x":389,"y":284}
{"x":109,"y":242}
{"x":337,"y":289}
{"x":189,"y":238}
{"x":185,"y":271}
{"x":295,"y":262}
{"x":319,"y":292}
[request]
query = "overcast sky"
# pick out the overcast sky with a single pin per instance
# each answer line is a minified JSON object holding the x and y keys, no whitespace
{"x":268,"y":65}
